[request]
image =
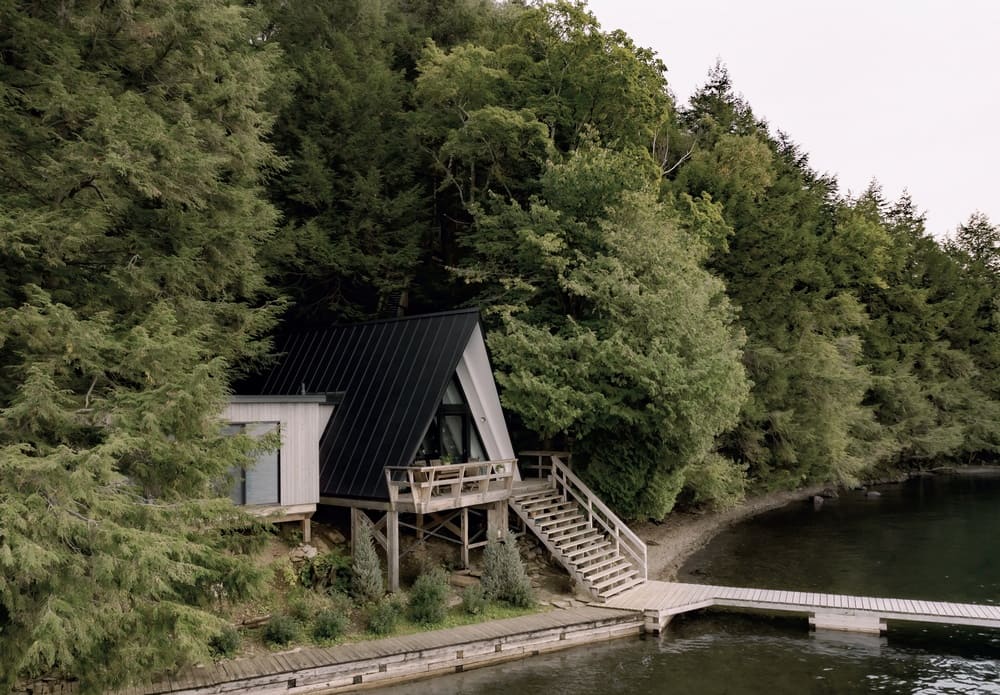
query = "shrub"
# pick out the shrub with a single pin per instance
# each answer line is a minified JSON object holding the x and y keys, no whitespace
{"x":716,"y":481}
{"x":428,"y":597}
{"x":383,"y":616}
{"x":280,"y":630}
{"x":226,"y":643}
{"x":366,"y":571}
{"x":474,"y":601}
{"x":329,"y":625}
{"x":330,"y":571}
{"x":504,"y":578}
{"x":304,"y":604}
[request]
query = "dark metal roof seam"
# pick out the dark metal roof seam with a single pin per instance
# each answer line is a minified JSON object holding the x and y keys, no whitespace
{"x":379,"y":444}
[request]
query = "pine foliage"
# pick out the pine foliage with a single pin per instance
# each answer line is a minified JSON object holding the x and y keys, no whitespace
{"x":367,"y":583}
{"x":131,"y":216}
{"x":504,"y":578}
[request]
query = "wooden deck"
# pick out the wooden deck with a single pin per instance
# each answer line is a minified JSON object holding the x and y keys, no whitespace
{"x":425,"y":489}
{"x":349,"y":667}
{"x":659,"y":601}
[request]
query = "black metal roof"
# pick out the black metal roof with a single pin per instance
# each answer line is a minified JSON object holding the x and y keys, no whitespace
{"x":392,"y":375}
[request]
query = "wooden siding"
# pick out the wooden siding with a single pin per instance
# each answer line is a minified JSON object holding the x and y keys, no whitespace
{"x":301,"y":425}
{"x":476,"y":377}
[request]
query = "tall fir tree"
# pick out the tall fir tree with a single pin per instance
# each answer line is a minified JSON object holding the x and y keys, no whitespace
{"x":132,"y":153}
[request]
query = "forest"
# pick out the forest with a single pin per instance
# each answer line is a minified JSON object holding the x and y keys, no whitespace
{"x":669,"y":290}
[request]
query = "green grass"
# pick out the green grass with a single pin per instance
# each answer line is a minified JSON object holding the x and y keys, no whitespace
{"x":455,"y":617}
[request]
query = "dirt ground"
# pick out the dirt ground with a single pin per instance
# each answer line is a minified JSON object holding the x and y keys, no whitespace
{"x":672,"y":542}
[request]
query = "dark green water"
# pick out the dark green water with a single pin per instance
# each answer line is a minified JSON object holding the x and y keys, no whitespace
{"x":932,"y":538}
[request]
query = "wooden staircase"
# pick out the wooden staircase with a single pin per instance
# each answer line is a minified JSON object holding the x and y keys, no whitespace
{"x":598,"y":550}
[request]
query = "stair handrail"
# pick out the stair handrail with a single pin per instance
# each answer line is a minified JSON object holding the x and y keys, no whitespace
{"x":626,"y":540}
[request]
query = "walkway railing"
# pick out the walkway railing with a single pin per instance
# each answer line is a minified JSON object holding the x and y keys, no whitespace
{"x":448,"y":486}
{"x":627,"y":543}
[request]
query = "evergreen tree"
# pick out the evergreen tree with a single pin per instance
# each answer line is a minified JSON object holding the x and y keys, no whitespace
{"x":367,"y":582}
{"x":131,"y":216}
{"x":786,"y":269}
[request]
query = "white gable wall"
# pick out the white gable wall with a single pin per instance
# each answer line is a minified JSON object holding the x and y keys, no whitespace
{"x":476,"y":377}
{"x":301,"y":424}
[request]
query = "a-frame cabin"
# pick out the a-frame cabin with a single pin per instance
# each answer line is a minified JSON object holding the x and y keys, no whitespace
{"x":391,"y":417}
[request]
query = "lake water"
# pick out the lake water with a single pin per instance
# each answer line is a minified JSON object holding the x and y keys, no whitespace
{"x":932,"y":538}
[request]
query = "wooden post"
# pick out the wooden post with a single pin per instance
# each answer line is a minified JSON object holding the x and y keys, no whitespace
{"x":496,"y":520}
{"x":392,"y":548}
{"x":465,"y":538}
{"x":354,"y":528}
{"x":420,"y":527}
{"x":306,"y":529}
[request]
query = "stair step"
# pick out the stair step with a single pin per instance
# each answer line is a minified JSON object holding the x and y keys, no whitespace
{"x":542,"y":497}
{"x":557,"y":532}
{"x":587,"y":539}
{"x":607,"y":560}
{"x":570,"y":510}
{"x":542,"y":505}
{"x":530,"y":495}
{"x":603,"y":549}
{"x":566,"y":539}
{"x":617,"y":579}
{"x":623,"y":566}
{"x":614,"y":591}
{"x":553,"y":524}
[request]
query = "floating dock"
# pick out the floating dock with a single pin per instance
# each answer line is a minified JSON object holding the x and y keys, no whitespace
{"x":660,"y":601}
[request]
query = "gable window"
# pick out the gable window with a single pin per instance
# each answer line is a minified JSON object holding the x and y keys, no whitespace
{"x":260,"y":481}
{"x":452,"y":435}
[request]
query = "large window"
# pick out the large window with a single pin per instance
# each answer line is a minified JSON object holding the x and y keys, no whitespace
{"x":452,"y":435}
{"x":259,"y":482}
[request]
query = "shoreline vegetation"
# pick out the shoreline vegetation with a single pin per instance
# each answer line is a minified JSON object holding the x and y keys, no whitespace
{"x":671,"y":290}
{"x":670,"y":544}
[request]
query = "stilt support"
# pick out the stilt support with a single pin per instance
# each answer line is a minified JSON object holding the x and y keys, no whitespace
{"x":496,"y":520}
{"x":392,"y":548}
{"x":306,"y":529}
{"x":848,"y":622}
{"x":465,"y":538}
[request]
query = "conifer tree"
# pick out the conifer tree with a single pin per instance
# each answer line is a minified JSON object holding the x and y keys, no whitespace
{"x":367,"y":582}
{"x":131,"y":216}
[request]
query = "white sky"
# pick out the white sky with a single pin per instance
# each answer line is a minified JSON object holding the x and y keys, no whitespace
{"x":903,"y":91}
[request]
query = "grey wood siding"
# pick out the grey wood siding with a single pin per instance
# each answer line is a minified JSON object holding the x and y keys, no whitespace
{"x":301,"y":425}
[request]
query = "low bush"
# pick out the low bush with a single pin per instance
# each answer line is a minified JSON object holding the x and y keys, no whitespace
{"x":281,"y":630}
{"x":474,"y":601}
{"x":383,"y":616}
{"x":330,"y":571}
{"x":329,"y":625}
{"x":304,"y":605}
{"x":226,"y":643}
{"x":428,"y":597}
{"x":504,"y":578}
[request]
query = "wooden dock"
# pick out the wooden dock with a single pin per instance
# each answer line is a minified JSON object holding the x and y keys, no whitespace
{"x":350,"y":667}
{"x":659,"y":601}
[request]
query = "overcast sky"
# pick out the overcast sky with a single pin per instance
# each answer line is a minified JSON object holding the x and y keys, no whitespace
{"x":906,"y":92}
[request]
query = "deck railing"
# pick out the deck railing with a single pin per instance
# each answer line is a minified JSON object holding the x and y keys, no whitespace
{"x":450,"y":484}
{"x":538,"y":464}
{"x":598,"y":514}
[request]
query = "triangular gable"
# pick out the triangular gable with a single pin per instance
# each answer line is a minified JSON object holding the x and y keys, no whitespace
{"x":392,"y":374}
{"x":476,"y":378}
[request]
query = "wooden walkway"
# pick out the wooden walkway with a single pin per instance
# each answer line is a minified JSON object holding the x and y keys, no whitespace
{"x":659,"y":601}
{"x":349,"y":667}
